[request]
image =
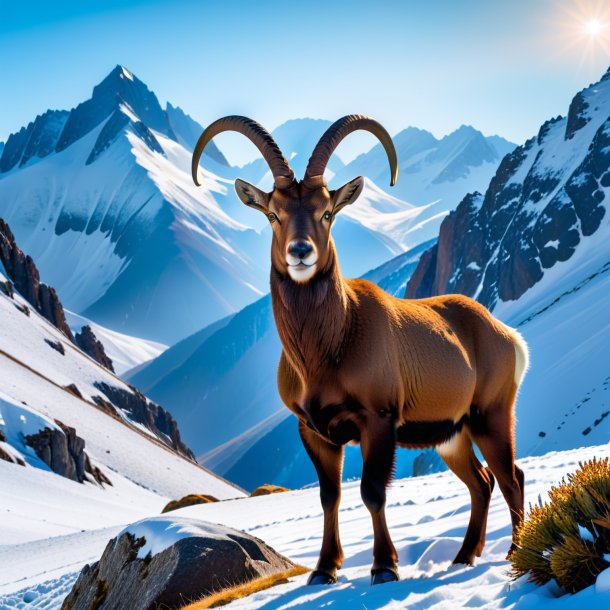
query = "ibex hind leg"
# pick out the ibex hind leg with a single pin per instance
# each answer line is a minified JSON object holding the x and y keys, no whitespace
{"x":457,"y":453}
{"x":495,"y":438}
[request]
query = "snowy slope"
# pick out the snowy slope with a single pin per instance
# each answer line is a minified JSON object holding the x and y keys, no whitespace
{"x":35,"y":375}
{"x":427,"y":517}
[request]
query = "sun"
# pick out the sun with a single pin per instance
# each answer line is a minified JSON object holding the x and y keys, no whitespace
{"x":581,"y":28}
{"x":593,"y":27}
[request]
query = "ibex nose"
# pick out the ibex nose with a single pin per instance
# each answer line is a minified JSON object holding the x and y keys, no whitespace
{"x":300,"y":248}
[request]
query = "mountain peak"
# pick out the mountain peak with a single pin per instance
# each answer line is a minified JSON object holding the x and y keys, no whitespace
{"x":119,"y":87}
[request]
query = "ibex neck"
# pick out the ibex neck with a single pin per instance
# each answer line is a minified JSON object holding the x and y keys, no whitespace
{"x":312,"y":320}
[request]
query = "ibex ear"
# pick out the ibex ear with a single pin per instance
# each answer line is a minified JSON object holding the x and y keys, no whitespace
{"x":251,"y":196}
{"x":347,"y":194}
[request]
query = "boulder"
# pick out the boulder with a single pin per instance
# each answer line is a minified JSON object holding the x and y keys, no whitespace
{"x":167,"y":562}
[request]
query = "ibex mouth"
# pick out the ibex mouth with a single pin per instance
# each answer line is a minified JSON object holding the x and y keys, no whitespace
{"x":301,"y":272}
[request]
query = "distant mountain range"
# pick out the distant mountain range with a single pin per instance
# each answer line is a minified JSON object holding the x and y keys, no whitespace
{"x":101,"y":196}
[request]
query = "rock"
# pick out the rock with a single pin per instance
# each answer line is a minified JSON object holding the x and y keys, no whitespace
{"x":57,"y":346}
{"x":167,"y":562}
{"x":93,"y":347}
{"x":7,"y":288}
{"x":64,"y":453}
{"x":26,"y":279}
{"x":144,"y":411}
{"x":266,"y":489}
{"x":189,"y":500}
{"x":73,"y":389}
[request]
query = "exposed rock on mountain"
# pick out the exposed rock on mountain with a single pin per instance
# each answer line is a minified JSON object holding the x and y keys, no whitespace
{"x":167,"y":562}
{"x":22,"y":270}
{"x":546,"y":198}
{"x":141,"y":410}
{"x":24,"y":273}
{"x":64,"y":453}
{"x":92,"y":346}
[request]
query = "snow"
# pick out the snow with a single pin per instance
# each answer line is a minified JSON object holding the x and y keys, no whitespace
{"x":162,"y":532}
{"x":427,"y":517}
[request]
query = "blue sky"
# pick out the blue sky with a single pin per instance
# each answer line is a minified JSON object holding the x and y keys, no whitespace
{"x":501,"y":66}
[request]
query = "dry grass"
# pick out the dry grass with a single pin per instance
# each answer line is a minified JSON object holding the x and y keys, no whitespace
{"x":189,"y":500}
{"x":568,"y":537}
{"x":267,"y":489}
{"x":226,"y":596}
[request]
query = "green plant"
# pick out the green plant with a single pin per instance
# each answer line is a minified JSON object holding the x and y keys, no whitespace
{"x":568,"y":537}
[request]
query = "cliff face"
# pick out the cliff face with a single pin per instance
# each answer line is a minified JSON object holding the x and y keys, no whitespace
{"x":22,"y":271}
{"x":547,"y":196}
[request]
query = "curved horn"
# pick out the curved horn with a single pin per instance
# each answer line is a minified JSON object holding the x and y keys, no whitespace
{"x":314,"y":174}
{"x":258,"y":135}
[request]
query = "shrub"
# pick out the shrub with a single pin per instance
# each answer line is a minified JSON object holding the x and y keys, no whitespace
{"x":568,"y":537}
{"x":267,"y":489}
{"x":189,"y":500}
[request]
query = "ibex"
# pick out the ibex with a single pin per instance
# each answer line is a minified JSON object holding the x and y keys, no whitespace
{"x":361,"y":366}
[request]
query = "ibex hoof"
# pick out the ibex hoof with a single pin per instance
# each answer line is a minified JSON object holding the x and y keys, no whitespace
{"x":380,"y":576}
{"x":317,"y":577}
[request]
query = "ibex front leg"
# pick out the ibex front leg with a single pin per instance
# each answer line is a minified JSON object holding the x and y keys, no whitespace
{"x":378,"y":443}
{"x":328,"y":461}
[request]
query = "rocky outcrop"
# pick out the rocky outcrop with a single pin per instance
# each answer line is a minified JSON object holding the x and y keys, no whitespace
{"x":190,"y":500}
{"x":24,"y":275}
{"x":202,"y":559}
{"x":546,"y":197}
{"x":63,"y":451}
{"x":141,"y":410}
{"x":22,"y":271}
{"x":92,"y":346}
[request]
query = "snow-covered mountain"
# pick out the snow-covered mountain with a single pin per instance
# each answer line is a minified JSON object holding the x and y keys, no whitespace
{"x":431,"y":169}
{"x":536,"y":250}
{"x":101,"y":197}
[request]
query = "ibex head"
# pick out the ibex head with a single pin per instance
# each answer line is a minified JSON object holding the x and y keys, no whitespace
{"x":300,"y":212}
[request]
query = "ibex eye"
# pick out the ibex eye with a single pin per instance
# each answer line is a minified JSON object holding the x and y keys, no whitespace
{"x":272,"y":217}
{"x":327,"y":216}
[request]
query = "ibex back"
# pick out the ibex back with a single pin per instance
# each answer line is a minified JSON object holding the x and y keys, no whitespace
{"x":361,"y":366}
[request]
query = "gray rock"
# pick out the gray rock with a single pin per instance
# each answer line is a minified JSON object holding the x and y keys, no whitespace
{"x":64,"y":453}
{"x":202,"y":559}
{"x":92,"y":346}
